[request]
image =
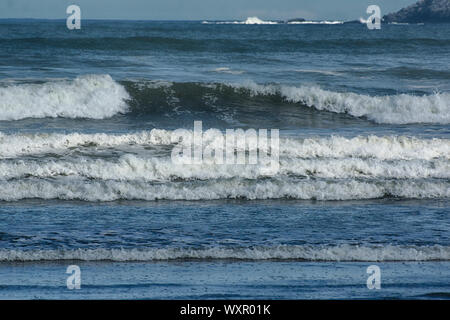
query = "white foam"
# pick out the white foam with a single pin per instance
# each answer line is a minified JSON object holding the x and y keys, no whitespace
{"x":249,"y":20}
{"x":228,"y":70}
{"x":384,"y":147}
{"x":256,"y":20}
{"x":15,"y":145}
{"x":394,"y":109}
{"x":89,"y":96}
{"x":333,"y":168}
{"x":363,"y":21}
{"x":345,"y":252}
{"x":69,"y":188}
{"x":131,"y":167}
{"x":325,"y":72}
{"x":317,"y":22}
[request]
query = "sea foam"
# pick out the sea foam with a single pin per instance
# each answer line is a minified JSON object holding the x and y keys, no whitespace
{"x":70,"y":188}
{"x":345,"y":252}
{"x":390,"y":109}
{"x":89,"y":96}
{"x":379,"y":147}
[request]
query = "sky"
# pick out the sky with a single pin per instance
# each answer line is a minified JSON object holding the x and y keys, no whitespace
{"x":198,"y":9}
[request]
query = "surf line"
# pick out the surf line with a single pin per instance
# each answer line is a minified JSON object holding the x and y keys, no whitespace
{"x":236,"y":147}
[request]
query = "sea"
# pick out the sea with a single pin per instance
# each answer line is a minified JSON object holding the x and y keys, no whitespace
{"x":93,"y":205}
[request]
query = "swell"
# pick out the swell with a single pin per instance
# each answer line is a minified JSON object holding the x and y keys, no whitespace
{"x":99,"y":97}
{"x":221,"y":97}
{"x":153,"y":43}
{"x":324,"y":253}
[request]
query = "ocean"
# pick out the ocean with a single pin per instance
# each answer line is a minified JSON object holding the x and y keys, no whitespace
{"x":88,"y":179}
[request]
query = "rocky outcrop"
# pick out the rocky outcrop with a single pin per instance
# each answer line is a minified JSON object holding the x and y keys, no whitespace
{"x":424,"y":11}
{"x":295,"y":20}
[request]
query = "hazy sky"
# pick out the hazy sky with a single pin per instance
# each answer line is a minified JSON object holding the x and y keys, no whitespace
{"x":198,"y":9}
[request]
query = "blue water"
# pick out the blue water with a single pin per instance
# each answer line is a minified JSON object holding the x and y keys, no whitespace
{"x":87,"y":178}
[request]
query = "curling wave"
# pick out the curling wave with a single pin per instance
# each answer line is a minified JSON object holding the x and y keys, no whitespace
{"x":99,"y":97}
{"x":390,"y":109}
{"x":90,"y":96}
{"x":396,"y":109}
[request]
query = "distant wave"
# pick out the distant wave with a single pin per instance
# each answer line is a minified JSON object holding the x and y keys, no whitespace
{"x":256,"y":20}
{"x":317,"y":22}
{"x":233,"y":44}
{"x":249,"y":20}
{"x":324,"y":72}
{"x":99,"y":97}
{"x":345,"y":252}
{"x":228,"y":70}
{"x":91,"y":96}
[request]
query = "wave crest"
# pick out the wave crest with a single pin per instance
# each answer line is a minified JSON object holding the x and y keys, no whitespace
{"x":377,"y":147}
{"x":99,"y":97}
{"x":389,"y":109}
{"x":69,"y":188}
{"x":89,"y":96}
{"x":395,"y":109}
{"x":343,"y":252}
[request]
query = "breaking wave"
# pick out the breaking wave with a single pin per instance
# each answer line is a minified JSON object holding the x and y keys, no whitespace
{"x":90,"y":96}
{"x":138,"y":166}
{"x":131,"y":167}
{"x":279,"y":187}
{"x":393,"y":109}
{"x":256,"y":20}
{"x":327,"y":22}
{"x":249,"y":20}
{"x":377,"y":147}
{"x":324,"y":253}
{"x":99,"y":97}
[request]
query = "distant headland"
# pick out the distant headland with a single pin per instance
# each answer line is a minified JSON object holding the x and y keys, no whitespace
{"x":424,"y":11}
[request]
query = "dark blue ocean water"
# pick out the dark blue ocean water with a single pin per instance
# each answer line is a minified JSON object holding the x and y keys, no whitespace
{"x":87,"y":177}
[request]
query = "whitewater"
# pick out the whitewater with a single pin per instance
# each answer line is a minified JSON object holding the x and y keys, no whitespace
{"x":100,"y":97}
{"x":88,"y":125}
